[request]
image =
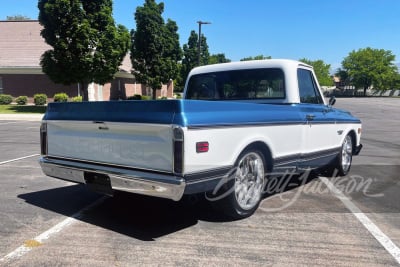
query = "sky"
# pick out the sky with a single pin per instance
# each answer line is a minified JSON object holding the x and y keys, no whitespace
{"x":314,"y":29}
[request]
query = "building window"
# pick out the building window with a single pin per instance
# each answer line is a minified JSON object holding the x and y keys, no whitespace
{"x":1,"y":85}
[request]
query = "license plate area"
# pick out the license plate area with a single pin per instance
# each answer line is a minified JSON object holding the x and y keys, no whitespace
{"x":98,"y":182}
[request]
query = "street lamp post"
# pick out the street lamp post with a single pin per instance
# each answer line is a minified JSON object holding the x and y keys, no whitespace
{"x":199,"y":46}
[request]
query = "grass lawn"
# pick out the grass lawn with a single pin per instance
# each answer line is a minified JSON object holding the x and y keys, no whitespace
{"x":14,"y":109}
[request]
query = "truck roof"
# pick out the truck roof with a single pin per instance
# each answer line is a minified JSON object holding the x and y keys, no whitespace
{"x":266,"y":63}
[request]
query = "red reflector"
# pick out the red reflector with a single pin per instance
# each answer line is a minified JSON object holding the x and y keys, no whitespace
{"x":202,"y":147}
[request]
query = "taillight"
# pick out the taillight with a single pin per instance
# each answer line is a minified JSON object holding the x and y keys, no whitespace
{"x":43,"y":138}
{"x":202,"y":147}
{"x":178,"y":150}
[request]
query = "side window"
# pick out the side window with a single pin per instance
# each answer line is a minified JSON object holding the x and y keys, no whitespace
{"x":1,"y":85}
{"x":202,"y":87}
{"x":308,"y":89}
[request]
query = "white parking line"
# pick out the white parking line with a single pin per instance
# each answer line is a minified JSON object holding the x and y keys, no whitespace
{"x":383,"y":239}
{"x":12,"y":160}
{"x":12,"y":122}
{"x":38,"y":240}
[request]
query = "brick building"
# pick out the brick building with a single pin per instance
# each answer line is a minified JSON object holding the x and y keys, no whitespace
{"x":21,"y":47}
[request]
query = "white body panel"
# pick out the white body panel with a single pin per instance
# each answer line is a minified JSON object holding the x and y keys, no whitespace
{"x":320,"y":137}
{"x":225,"y":144}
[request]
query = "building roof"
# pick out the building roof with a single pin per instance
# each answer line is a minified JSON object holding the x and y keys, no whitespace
{"x":21,"y":47}
{"x":21,"y":44}
{"x":336,"y":79}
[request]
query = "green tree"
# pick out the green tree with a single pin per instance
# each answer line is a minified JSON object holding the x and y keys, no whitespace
{"x":371,"y":67}
{"x":190,"y":54}
{"x":87,"y":46}
{"x":204,"y":53}
{"x":321,"y":71}
{"x":155,"y":49}
{"x":18,"y":17}
{"x":259,"y":57}
{"x":218,"y":58}
{"x":396,"y":81}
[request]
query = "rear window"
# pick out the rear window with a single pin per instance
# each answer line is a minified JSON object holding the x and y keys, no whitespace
{"x":265,"y":83}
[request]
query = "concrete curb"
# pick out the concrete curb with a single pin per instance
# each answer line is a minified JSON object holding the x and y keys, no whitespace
{"x":21,"y":117}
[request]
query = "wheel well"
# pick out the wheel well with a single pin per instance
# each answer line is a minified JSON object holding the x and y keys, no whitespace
{"x":264,"y":149}
{"x":353,"y":139}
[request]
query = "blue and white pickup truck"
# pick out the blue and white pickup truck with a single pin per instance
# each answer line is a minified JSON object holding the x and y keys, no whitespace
{"x":237,"y":124}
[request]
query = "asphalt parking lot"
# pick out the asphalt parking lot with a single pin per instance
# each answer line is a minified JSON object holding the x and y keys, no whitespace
{"x":347,"y":221}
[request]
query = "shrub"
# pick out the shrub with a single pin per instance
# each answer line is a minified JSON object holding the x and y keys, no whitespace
{"x":145,"y":97}
{"x":77,"y":99}
{"x":40,"y":99}
{"x":22,"y":100}
{"x":5,"y":99}
{"x":134,"y":97}
{"x":61,"y":97}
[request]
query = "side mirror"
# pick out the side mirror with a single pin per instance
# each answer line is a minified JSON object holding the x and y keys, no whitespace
{"x":332,"y":101}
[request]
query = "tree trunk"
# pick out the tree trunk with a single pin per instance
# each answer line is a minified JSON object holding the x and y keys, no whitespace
{"x":84,"y":91}
{"x":365,"y":91}
{"x":154,"y":93}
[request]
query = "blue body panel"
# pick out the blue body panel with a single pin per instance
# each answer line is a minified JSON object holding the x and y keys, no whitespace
{"x":158,"y":112}
{"x":196,"y":113}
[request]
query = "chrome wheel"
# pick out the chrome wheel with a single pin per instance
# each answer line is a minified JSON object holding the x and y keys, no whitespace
{"x":249,"y":180}
{"x":347,"y":153}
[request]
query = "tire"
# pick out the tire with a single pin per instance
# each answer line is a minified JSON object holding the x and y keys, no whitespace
{"x":342,"y":164}
{"x":240,"y":195}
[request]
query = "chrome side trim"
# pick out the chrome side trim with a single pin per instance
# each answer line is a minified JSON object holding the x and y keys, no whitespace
{"x":140,"y":182}
{"x":265,"y":124}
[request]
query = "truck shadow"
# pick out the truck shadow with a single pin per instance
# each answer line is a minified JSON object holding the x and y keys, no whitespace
{"x":147,"y":218}
{"x":140,"y":217}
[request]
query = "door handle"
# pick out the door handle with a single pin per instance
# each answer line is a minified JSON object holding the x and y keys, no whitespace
{"x":310,"y":117}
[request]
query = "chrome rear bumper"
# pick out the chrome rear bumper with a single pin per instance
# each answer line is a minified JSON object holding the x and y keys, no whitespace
{"x":134,"y":181}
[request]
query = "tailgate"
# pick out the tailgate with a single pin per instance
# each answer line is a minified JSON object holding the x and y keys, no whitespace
{"x":134,"y":145}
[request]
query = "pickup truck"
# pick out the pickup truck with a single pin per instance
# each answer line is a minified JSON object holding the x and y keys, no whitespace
{"x":237,"y":124}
